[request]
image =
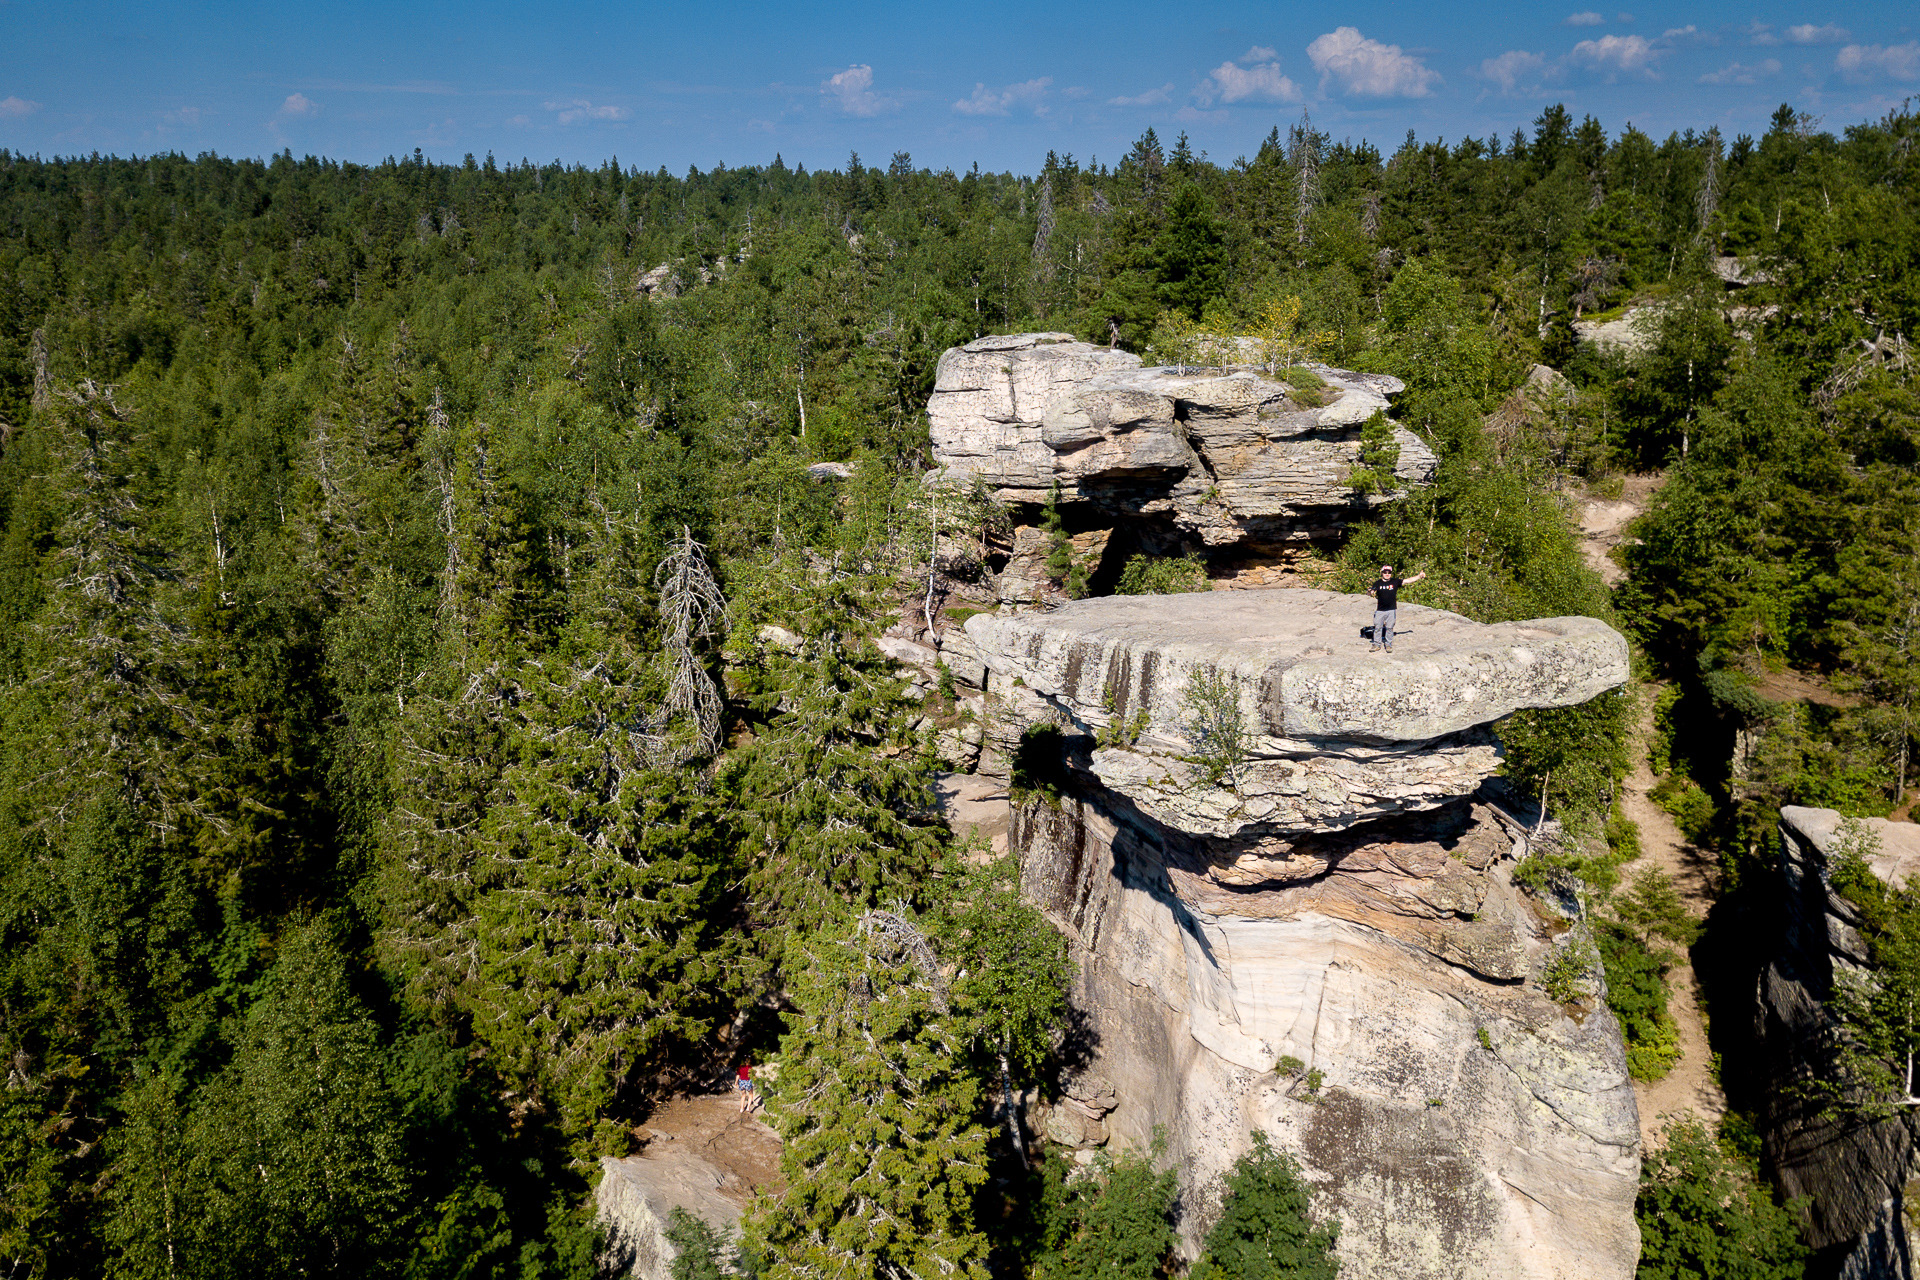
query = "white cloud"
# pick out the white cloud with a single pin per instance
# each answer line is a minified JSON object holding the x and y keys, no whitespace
{"x":299,"y":104}
{"x":1688,"y":32}
{"x":1616,"y":55}
{"x":575,"y":110}
{"x":12,"y":107}
{"x":188,"y":116}
{"x":1859,"y":62}
{"x":1262,"y":82}
{"x":1587,"y":19}
{"x":853,"y":90}
{"x":1807,"y":33}
{"x":1760,"y":33}
{"x":519,"y":120}
{"x":1151,"y":98}
{"x":1741,"y":73}
{"x":999,"y":102}
{"x":1368,"y":67}
{"x":1516,"y":69}
{"x":1259,"y":53}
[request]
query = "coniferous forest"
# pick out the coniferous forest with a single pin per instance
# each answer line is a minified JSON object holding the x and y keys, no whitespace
{"x":399,"y":796}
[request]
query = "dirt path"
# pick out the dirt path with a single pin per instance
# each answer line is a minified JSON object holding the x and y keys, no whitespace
{"x":1690,"y":1086}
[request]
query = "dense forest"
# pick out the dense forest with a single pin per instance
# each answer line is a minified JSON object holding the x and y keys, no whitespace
{"x":397,"y":797}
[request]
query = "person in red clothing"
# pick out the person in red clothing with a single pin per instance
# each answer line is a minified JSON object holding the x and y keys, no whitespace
{"x":743,"y":1081}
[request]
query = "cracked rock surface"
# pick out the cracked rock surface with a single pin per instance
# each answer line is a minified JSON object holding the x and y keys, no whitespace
{"x":1225,"y":458}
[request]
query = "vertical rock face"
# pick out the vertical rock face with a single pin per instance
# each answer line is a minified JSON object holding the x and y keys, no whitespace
{"x":1222,"y":457}
{"x":1859,"y":1177}
{"x":1331,"y":949}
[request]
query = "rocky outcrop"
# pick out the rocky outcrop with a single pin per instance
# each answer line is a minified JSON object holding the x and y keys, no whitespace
{"x":1334,"y":734}
{"x":1860,"y":1178}
{"x":1331,"y":950}
{"x":699,"y":1154}
{"x":1222,"y":458}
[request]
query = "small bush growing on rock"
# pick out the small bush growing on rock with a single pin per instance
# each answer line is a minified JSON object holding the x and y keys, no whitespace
{"x":1289,"y":1066}
{"x":1215,"y":728}
{"x":1485,"y":1037}
{"x":1161,"y":576}
{"x":1563,"y":976}
{"x":1379,"y":455}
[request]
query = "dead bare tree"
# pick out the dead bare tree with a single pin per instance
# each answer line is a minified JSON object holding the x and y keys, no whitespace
{"x":691,"y":607}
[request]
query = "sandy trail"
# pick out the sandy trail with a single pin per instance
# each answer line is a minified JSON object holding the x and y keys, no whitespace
{"x":1690,"y":1086}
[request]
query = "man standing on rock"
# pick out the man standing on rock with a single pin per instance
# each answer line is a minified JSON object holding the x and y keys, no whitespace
{"x":1386,"y":606}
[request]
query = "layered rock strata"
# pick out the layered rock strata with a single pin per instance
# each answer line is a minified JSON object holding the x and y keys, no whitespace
{"x":1332,"y":950}
{"x":1223,"y":458}
{"x":1334,"y":734}
{"x":1859,"y":1177}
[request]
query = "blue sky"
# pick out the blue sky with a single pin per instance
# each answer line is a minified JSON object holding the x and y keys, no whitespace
{"x":993,"y":82}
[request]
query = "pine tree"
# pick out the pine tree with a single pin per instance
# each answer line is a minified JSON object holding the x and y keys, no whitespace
{"x":881,"y":1150}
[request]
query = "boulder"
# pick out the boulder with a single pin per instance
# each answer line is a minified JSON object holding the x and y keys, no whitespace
{"x":1224,"y":457}
{"x":1346,"y":899}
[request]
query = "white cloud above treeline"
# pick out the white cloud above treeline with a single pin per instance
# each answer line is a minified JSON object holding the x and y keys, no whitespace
{"x":576,"y":110}
{"x":1369,"y":68}
{"x":11,"y":107}
{"x":1861,"y":62}
{"x":1587,"y":19}
{"x":1000,"y":102}
{"x":852,"y":91}
{"x":1253,"y":77}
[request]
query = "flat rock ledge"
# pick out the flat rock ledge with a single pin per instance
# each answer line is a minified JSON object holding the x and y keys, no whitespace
{"x":1224,"y":456}
{"x":1334,"y":734}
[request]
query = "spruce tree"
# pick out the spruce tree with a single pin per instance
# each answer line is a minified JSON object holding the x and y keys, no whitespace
{"x":876,"y":1110}
{"x":834,"y":791}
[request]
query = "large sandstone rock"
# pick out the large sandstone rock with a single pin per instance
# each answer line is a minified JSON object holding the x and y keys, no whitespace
{"x":1225,"y":458}
{"x":1349,"y":905}
{"x":1860,"y":1177}
{"x":1335,"y":734}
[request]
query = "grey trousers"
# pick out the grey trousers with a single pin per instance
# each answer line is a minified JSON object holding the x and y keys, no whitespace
{"x":1383,"y":620}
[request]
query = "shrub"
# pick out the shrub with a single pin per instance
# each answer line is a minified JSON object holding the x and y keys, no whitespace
{"x":1161,"y":576}
{"x":1214,"y":727}
{"x":1704,"y":1212}
{"x":1266,"y":1230}
{"x":1692,"y":808}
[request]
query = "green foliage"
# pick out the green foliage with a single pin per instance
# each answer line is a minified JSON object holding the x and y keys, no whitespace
{"x":1704,"y":1212}
{"x":1692,"y":808}
{"x":881,"y":1151}
{"x":1266,"y":1230}
{"x":1215,"y":727}
{"x":1637,"y":994}
{"x":697,"y":1247}
{"x":1145,"y":575}
{"x":1062,"y":566}
{"x":1576,"y":755}
{"x":1117,"y":1222}
{"x":1379,"y":454}
{"x":1565,"y":973}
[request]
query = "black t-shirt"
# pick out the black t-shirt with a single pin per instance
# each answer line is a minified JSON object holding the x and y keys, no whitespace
{"x":1386,"y":593}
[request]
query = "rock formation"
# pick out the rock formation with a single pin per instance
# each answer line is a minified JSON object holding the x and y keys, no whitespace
{"x":1329,"y":947}
{"x":1219,"y":458}
{"x":1859,"y":1176}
